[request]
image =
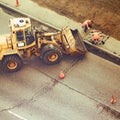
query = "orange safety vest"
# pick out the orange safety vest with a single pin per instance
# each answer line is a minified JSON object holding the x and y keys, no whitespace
{"x":96,"y":36}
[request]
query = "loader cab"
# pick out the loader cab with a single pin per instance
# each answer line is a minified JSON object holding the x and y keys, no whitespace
{"x":22,"y":36}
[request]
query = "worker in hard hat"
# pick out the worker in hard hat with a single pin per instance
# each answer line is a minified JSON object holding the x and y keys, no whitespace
{"x":87,"y":25}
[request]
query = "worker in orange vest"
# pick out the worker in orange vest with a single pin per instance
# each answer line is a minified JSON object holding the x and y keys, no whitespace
{"x":87,"y":25}
{"x":96,"y":38}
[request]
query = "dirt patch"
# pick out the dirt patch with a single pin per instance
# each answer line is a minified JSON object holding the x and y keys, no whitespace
{"x":104,"y":13}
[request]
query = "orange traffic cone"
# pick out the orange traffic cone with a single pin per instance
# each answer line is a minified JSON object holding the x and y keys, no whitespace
{"x":61,"y":76}
{"x":17,"y":3}
{"x":113,"y":100}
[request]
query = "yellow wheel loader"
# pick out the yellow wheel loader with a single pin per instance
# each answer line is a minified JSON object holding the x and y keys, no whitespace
{"x":24,"y":41}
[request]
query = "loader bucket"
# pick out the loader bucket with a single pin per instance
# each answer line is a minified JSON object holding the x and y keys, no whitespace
{"x":73,"y":42}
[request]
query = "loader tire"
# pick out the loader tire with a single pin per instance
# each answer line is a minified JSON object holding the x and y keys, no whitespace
{"x":11,"y":63}
{"x":52,"y":55}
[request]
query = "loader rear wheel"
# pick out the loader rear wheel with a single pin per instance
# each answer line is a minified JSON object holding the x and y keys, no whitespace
{"x":11,"y":63}
{"x":52,"y":55}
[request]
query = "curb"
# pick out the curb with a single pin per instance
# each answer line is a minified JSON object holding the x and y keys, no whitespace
{"x":28,"y":15}
{"x":111,"y":54}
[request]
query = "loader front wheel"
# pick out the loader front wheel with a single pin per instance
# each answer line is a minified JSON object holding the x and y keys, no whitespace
{"x":52,"y":56}
{"x":11,"y":63}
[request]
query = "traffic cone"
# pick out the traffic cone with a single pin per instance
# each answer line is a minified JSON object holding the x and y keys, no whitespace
{"x":61,"y":76}
{"x":113,"y":100}
{"x":17,"y":3}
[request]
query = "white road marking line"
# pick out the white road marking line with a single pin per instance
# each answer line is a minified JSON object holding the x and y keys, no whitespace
{"x":16,"y":115}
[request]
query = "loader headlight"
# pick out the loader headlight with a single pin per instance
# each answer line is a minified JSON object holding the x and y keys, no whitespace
{"x":21,"y":44}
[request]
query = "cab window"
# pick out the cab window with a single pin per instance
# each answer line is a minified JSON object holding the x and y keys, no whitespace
{"x":20,"y":35}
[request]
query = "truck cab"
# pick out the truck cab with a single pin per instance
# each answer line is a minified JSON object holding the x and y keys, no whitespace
{"x":22,"y":37}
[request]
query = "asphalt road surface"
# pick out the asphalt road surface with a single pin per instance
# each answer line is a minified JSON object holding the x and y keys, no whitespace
{"x":37,"y":93}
